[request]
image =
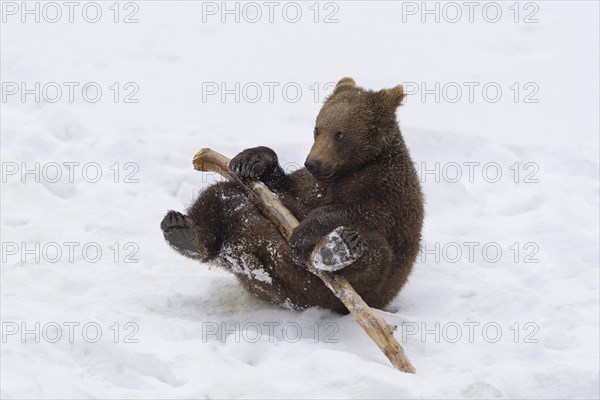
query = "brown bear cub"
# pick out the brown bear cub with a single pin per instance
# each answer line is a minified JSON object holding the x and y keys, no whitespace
{"x":358,"y":175}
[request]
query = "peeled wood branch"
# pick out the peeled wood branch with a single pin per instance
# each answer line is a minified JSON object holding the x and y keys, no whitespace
{"x":267,"y":202}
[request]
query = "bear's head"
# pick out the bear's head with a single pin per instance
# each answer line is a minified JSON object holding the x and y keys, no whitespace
{"x":354,"y":127}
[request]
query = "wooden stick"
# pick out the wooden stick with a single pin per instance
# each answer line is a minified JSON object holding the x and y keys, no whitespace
{"x":267,"y":202}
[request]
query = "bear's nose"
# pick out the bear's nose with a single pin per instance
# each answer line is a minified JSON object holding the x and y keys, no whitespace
{"x":312,"y":166}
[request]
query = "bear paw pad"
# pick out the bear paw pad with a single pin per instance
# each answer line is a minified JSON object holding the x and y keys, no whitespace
{"x":179,"y":231}
{"x":337,"y":250}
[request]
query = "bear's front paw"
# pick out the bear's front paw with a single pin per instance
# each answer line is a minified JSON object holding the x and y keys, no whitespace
{"x":253,"y":163}
{"x":337,"y":250}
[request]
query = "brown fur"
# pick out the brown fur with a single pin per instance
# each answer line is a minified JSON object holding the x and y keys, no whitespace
{"x":362,"y":178}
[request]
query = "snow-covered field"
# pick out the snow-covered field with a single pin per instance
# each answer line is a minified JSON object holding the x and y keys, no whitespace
{"x":504,"y":301}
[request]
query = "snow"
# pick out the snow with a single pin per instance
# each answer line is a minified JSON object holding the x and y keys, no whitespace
{"x":138,"y":320}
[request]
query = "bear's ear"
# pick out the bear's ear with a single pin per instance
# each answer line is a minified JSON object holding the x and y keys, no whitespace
{"x":344,"y":83}
{"x":392,"y":98}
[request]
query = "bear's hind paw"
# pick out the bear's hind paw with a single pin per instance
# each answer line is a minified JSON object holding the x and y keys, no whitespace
{"x":178,"y":230}
{"x":337,"y":250}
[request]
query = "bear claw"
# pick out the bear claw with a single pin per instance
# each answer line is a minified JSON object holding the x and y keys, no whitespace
{"x":253,"y":163}
{"x":250,"y":167}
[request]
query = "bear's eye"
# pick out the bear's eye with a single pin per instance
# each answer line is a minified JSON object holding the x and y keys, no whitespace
{"x":339,"y":135}
{"x":315,"y":132}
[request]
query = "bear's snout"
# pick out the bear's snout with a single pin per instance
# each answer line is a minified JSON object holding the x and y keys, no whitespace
{"x":312,"y":166}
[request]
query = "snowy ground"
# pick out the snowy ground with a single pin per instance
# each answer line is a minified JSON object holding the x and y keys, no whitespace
{"x":140,"y":321}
